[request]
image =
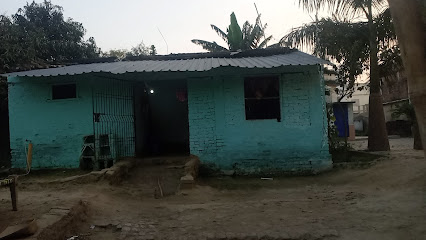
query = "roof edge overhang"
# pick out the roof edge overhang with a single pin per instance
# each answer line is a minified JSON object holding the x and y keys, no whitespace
{"x":154,"y":72}
{"x":294,"y":58}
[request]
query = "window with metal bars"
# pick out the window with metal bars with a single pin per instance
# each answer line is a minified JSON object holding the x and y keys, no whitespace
{"x":262,"y":98}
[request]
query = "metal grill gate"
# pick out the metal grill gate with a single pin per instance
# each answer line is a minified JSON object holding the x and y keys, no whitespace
{"x":113,"y":121}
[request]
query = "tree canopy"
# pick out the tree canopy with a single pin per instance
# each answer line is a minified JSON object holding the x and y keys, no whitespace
{"x":355,"y":45}
{"x":245,"y":38}
{"x":347,"y":43}
{"x":38,"y":35}
{"x":139,"y":50}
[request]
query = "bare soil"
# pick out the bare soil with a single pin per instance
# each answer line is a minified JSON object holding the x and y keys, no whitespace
{"x":384,"y":201}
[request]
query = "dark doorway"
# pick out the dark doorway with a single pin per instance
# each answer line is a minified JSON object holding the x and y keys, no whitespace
{"x":162,"y":118}
{"x":4,"y":126}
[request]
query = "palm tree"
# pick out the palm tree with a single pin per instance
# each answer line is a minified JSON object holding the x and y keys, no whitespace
{"x":342,"y":41}
{"x":377,"y":137}
{"x":347,"y":44}
{"x":237,"y":38}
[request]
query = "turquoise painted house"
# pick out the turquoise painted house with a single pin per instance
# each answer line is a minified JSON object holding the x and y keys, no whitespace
{"x":254,"y":112}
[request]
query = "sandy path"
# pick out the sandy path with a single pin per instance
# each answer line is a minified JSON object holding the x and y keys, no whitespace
{"x":385,"y":201}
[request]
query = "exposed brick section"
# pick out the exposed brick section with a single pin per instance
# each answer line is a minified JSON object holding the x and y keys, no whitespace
{"x":201,"y":119}
{"x":221,"y":135}
{"x":295,"y":100}
{"x":234,"y":102}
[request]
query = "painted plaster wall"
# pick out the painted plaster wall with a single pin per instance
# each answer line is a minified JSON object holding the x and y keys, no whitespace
{"x":220,"y":134}
{"x":55,"y":127}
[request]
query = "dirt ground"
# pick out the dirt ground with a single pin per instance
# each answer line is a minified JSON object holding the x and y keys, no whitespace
{"x":384,"y":201}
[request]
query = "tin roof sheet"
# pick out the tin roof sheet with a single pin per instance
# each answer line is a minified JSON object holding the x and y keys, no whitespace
{"x":200,"y":64}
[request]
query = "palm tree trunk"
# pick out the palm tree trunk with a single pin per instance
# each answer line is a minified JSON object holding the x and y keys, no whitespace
{"x":419,"y":103}
{"x":416,"y":135}
{"x":409,"y":21}
{"x":377,"y":134}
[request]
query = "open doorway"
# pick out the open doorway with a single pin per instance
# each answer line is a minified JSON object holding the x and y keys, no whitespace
{"x":161,"y":112}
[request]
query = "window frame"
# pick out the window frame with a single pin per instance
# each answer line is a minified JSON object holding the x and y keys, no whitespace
{"x":52,"y":86}
{"x":274,"y":77}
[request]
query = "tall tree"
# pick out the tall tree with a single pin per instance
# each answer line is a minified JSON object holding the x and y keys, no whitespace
{"x":346,"y":43}
{"x":245,"y":38}
{"x":117,"y":53}
{"x":139,"y":50}
{"x":377,"y":136}
{"x":16,"y":47}
{"x":38,"y":35}
{"x":409,"y":17}
{"x":342,"y":41}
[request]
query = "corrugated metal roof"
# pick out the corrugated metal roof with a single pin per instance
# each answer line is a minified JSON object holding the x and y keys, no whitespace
{"x":183,"y":65}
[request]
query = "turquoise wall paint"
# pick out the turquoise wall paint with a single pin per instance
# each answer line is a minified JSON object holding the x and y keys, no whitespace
{"x":220,"y":134}
{"x":55,"y":127}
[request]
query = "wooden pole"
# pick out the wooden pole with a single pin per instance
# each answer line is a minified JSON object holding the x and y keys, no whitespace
{"x":29,"y":157}
{"x":13,"y":193}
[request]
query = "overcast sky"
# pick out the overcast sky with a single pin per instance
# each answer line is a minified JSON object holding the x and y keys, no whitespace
{"x":121,"y":24}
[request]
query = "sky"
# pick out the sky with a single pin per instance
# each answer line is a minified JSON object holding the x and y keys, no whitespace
{"x":121,"y":24}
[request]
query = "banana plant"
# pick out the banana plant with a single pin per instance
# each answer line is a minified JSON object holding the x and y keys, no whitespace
{"x":245,"y":38}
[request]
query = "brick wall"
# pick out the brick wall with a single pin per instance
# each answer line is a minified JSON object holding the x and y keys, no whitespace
{"x":295,"y":91}
{"x":202,"y":114}
{"x":220,"y":134}
{"x":395,"y":87}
